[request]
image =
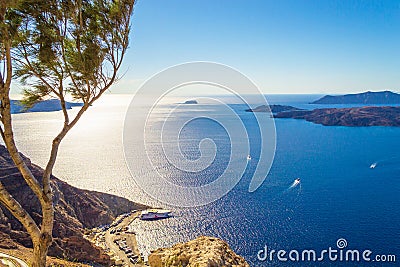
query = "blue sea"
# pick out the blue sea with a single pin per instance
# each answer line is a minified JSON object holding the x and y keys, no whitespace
{"x":339,"y":196}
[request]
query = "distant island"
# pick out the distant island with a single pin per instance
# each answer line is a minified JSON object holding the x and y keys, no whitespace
{"x":42,"y":106}
{"x":190,"y":102}
{"x":273,"y":109}
{"x":384,"y":97}
{"x":359,"y":116}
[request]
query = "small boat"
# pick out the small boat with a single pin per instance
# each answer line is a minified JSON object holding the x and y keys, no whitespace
{"x":297,"y":180}
{"x":373,"y":165}
{"x":248,"y":157}
{"x":154,"y":214}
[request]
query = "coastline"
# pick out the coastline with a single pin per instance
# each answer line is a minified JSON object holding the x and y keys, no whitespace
{"x":76,"y":210}
{"x":109,"y":239}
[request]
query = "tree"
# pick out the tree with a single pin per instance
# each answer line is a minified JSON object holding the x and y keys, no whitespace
{"x":59,"y":48}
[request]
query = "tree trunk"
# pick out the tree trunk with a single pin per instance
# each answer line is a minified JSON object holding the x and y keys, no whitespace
{"x":40,"y":248}
{"x":41,"y":238}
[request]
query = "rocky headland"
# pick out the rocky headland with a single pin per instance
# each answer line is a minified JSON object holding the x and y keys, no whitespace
{"x":358,"y":116}
{"x":203,"y":251}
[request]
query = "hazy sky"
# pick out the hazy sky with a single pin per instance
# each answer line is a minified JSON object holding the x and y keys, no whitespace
{"x":283,"y":46}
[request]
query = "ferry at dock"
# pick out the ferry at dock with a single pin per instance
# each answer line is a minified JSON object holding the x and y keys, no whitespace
{"x":154,"y":214}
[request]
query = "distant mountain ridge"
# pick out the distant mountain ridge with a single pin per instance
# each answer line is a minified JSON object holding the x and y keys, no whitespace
{"x":42,"y":106}
{"x":383,"y":97}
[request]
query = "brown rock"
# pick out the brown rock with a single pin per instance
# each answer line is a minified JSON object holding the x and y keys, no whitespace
{"x":203,"y":251}
{"x":6,"y":241}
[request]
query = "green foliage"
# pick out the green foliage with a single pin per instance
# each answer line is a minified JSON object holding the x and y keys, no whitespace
{"x":9,"y":21}
{"x":31,"y":97}
{"x":69,"y":46}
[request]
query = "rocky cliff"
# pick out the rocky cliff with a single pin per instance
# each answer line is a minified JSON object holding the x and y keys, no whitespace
{"x":361,"y":116}
{"x":75,"y":211}
{"x":200,"y":252}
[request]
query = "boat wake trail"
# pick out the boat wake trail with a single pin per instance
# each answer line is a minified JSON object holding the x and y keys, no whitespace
{"x":385,"y":162}
{"x":294,"y":184}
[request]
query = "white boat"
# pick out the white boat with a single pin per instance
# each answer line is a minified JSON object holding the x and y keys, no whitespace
{"x":153,"y":214}
{"x":373,"y":165}
{"x":295,"y":183}
{"x":248,"y":157}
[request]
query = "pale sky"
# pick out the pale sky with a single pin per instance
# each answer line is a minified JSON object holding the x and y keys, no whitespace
{"x":299,"y":46}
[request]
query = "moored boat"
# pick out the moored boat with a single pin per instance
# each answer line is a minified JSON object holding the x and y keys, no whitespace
{"x":153,"y":214}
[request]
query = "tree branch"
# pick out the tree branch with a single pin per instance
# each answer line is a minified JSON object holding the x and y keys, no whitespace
{"x":7,"y":45}
{"x":8,"y":135}
{"x":19,"y":212}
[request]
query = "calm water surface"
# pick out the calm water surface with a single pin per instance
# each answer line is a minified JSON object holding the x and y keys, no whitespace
{"x":339,"y":195}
